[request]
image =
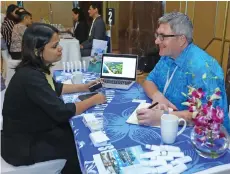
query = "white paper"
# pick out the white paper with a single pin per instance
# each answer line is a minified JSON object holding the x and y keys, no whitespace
{"x":89,"y":117}
{"x":99,"y":47}
{"x":99,"y":137}
{"x":133,"y":118}
{"x":139,"y":101}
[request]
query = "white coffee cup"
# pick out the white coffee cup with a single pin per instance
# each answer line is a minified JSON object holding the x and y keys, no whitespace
{"x":77,"y":77}
{"x":169,"y":128}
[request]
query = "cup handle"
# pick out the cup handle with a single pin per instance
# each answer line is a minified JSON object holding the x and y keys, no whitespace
{"x":185,"y":124}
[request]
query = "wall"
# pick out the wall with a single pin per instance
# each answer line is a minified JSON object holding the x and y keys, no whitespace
{"x":228,"y":78}
{"x":4,"y":5}
{"x":211,"y":21}
{"x":135,"y":23}
{"x":61,"y":11}
{"x":38,"y":9}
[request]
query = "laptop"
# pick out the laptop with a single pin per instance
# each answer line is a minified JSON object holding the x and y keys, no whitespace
{"x":118,"y":70}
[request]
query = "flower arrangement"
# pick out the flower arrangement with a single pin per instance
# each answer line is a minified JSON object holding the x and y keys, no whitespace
{"x":206,"y":117}
{"x":208,"y":135}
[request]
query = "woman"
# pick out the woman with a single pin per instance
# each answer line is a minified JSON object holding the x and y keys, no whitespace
{"x":25,"y":19}
{"x":8,"y":24}
{"x":81,"y":28}
{"x":35,"y":119}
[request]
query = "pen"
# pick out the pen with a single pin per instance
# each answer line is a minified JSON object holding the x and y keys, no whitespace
{"x":151,"y":106}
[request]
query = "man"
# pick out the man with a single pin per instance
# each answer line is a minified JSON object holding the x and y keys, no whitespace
{"x":182,"y":63}
{"x":97,"y":30}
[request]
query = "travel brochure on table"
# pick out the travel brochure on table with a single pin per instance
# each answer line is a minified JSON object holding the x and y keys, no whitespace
{"x":119,"y":161}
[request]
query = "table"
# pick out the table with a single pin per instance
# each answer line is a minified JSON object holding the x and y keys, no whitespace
{"x":121,"y":134}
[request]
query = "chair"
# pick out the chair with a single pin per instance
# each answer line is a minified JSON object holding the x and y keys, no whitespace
{"x":49,"y":167}
{"x":99,"y":48}
{"x":2,"y":99}
{"x":10,"y":64}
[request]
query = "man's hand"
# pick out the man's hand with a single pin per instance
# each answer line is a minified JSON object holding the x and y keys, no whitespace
{"x":149,"y":117}
{"x":185,"y":114}
{"x":81,"y":46}
{"x":160,"y":98}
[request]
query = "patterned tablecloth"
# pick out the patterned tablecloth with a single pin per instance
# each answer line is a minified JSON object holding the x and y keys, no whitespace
{"x":121,"y":134}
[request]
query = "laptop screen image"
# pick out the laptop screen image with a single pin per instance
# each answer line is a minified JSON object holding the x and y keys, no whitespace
{"x":119,"y":66}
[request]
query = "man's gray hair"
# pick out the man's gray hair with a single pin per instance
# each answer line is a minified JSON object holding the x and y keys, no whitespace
{"x":179,"y":23}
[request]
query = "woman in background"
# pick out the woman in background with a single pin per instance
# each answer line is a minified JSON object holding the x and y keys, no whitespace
{"x":25,"y":19}
{"x":10,"y":20}
{"x":35,"y":119}
{"x":80,"y":31}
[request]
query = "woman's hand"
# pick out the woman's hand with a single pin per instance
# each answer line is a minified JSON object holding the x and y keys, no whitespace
{"x":86,"y":104}
{"x":98,"y":99}
{"x":92,"y":83}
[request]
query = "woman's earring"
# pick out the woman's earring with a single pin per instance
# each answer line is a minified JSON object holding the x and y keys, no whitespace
{"x":36,"y":52}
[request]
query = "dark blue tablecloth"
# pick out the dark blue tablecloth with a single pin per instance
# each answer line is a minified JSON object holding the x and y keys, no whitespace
{"x":121,"y":134}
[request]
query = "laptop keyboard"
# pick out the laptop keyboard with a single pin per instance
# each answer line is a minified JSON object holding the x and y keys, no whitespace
{"x":120,"y":82}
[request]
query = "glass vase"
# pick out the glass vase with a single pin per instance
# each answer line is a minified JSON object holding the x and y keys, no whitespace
{"x":209,"y":143}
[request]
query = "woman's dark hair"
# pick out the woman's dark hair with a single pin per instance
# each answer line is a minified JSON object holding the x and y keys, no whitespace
{"x":78,"y":11}
{"x":22,"y":14}
{"x":96,"y":5}
{"x":34,"y":40}
{"x":10,"y":10}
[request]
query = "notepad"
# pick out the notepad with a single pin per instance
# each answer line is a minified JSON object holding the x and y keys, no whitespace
{"x":139,"y":101}
{"x":133,"y":117}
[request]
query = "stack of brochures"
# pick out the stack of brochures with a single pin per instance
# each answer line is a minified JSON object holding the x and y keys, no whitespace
{"x":131,"y":160}
{"x":99,"y":138}
{"x":92,"y":122}
{"x":95,"y":125}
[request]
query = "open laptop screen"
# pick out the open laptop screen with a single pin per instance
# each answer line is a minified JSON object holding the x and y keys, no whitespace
{"x":119,"y":66}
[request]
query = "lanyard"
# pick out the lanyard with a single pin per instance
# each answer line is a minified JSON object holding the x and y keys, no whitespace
{"x":168,"y":80}
{"x":92,"y":26}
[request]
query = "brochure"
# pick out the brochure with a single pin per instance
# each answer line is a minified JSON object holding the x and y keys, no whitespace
{"x":120,"y":161}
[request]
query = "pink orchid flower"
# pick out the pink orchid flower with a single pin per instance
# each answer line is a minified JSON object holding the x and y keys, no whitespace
{"x":218,"y":116}
{"x":199,"y":130}
{"x":215,"y":127}
{"x":201,"y":121}
{"x":206,"y":117}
